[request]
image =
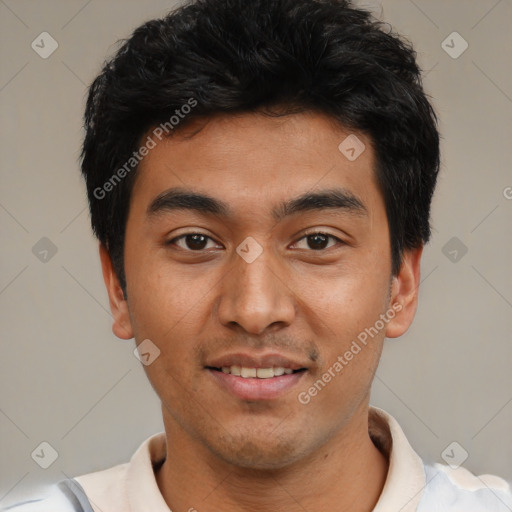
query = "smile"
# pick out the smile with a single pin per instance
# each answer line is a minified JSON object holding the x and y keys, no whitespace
{"x":249,"y":383}
{"x":258,"y":373}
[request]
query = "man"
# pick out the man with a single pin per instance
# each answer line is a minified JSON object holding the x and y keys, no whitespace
{"x":259,"y":175}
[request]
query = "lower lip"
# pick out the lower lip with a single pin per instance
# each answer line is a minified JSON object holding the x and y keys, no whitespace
{"x":254,"y":388}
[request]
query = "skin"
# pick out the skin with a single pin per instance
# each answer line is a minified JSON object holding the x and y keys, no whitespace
{"x":226,"y":453}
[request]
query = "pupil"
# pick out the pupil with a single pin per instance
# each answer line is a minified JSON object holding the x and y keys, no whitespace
{"x":318,"y":240}
{"x":196,"y":241}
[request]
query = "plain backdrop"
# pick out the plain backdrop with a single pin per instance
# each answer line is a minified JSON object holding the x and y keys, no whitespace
{"x":68,"y":381}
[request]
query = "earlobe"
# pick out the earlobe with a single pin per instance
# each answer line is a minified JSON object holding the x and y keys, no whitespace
{"x":404,"y":293}
{"x":121,"y":326}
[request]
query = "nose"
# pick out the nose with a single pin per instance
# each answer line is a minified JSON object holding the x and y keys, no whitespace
{"x":255,"y":296}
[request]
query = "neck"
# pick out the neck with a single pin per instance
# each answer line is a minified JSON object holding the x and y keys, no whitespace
{"x":346,"y":473}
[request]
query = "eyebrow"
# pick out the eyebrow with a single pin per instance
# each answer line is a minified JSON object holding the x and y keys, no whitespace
{"x":183,"y":199}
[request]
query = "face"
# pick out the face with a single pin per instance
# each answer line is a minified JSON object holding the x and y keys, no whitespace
{"x":256,"y":256}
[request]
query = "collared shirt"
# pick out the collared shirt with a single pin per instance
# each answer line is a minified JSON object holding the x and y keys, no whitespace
{"x":411,"y":485}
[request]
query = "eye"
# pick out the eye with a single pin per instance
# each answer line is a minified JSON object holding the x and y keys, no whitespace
{"x":192,"y":242}
{"x":196,"y":242}
{"x":318,"y":241}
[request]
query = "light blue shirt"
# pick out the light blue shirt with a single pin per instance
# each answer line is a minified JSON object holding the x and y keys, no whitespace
{"x":411,"y":484}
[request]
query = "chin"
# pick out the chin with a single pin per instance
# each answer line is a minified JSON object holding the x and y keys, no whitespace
{"x":258,"y":454}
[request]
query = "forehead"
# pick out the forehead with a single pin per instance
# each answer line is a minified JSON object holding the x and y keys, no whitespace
{"x":250,"y":159}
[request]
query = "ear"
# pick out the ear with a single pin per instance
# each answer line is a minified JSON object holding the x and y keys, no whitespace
{"x":122,"y":326}
{"x":404,"y":293}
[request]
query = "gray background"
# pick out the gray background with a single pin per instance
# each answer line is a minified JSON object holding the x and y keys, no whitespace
{"x":66,"y":379}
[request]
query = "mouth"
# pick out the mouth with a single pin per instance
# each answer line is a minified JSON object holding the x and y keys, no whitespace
{"x":256,"y":379}
{"x":255,"y":373}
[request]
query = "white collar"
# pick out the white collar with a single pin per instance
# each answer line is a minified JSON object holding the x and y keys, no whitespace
{"x":133,"y":486}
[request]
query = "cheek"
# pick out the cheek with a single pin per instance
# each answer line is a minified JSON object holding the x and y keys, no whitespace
{"x":344,"y":322}
{"x":162,"y":292}
{"x":350,"y":340}
{"x":346,"y":299}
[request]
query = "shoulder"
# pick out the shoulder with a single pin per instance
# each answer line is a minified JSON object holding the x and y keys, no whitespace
{"x":458,"y":490}
{"x":111,"y":489}
{"x":65,"y":496}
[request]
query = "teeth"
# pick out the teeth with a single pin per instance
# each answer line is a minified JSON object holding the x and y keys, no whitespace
{"x":265,"y":373}
{"x":260,"y":373}
{"x":248,"y":372}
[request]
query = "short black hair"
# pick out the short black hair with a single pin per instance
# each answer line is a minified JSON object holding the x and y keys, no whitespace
{"x":274,"y":57}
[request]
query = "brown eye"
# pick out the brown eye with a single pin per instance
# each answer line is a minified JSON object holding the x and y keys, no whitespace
{"x":195,"y":242}
{"x":191,"y":241}
{"x":319,"y":241}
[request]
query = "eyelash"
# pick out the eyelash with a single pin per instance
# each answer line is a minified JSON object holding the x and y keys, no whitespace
{"x":328,"y":235}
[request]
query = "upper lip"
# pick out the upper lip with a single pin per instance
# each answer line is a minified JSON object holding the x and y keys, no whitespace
{"x":256,"y":361}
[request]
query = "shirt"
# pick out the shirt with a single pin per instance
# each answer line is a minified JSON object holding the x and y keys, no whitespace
{"x":411,"y":485}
